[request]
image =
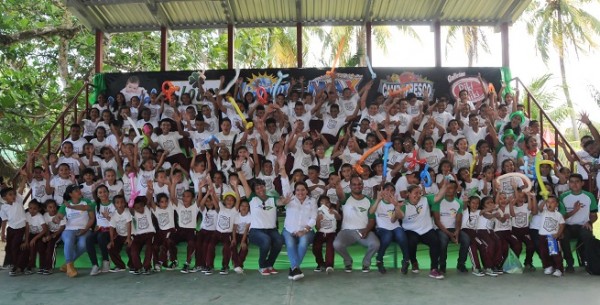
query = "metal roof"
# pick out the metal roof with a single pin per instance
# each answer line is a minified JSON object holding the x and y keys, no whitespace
{"x":150,"y":15}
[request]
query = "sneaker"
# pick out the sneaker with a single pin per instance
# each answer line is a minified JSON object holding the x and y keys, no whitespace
{"x":116,"y":269}
{"x":329,"y":270}
{"x":173,"y":265}
{"x":415,"y":267}
{"x":145,"y":271}
{"x":264,"y":271}
{"x":529,"y":267}
{"x":185,"y":269}
{"x":548,"y":271}
{"x":380,"y":268}
{"x":238,"y":270}
{"x":557,"y":273}
{"x":297,"y":274}
{"x":366,"y":269}
{"x":28,"y":271}
{"x":404,"y":268}
{"x":291,"y":273}
{"x":132,"y":271}
{"x":570,"y":269}
{"x":478,"y":272}
{"x":434,"y":273}
{"x":273,"y":270}
{"x":196,"y":269}
{"x":105,"y":266}
{"x":15,"y":272}
{"x":490,"y":272}
{"x":95,"y":270}
{"x":47,"y":272}
{"x":348,"y":268}
{"x":318,"y":269}
{"x":224,"y":271}
{"x":208,"y":271}
{"x":157,"y":268}
{"x":498,"y":270}
{"x":40,"y":271}
{"x":203,"y":269}
{"x":462,"y":269}
{"x":135,"y":272}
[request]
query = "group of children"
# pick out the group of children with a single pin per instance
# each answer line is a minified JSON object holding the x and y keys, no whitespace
{"x":155,"y":172}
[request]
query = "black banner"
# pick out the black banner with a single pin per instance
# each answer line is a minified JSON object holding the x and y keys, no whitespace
{"x":436,"y":81}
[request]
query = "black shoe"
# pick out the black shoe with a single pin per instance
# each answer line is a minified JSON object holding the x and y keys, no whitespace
{"x":186,"y":268}
{"x":297,"y":274}
{"x":172,"y":265}
{"x":291,"y":274}
{"x":135,"y":272}
{"x":318,"y":268}
{"x":498,"y":270}
{"x":529,"y":267}
{"x":47,"y":272}
{"x":224,"y":271}
{"x":208,"y":271}
{"x":348,"y":268}
{"x":462,"y":269}
{"x":380,"y":268}
{"x":366,"y":269}
{"x":569,"y":269}
{"x":145,"y":271}
{"x":404,"y":268}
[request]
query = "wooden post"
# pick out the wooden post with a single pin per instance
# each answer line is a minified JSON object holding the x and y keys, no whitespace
{"x":368,"y":29}
{"x":230,"y":41}
{"x":437,"y":36}
{"x":299,"y":44}
{"x":505,"y":49}
{"x":163,"y":49}
{"x":99,"y":58}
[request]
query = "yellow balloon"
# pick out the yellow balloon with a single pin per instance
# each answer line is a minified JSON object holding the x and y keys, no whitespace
{"x":474,"y":153}
{"x":538,"y":162}
{"x":239,"y":112}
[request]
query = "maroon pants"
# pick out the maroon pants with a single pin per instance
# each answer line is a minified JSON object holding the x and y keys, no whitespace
{"x":507,"y":239}
{"x":523,"y":237}
{"x":139,"y":241}
{"x":163,"y":245}
{"x":37,"y":251}
{"x":555,"y":261}
{"x":225,"y":239}
{"x":473,"y":247}
{"x":489,"y":246}
{"x":204,"y":239}
{"x":185,"y":235}
{"x":327,"y":239}
{"x":239,"y":256}
{"x":115,"y":252}
{"x":14,"y":239}
{"x":50,"y":254}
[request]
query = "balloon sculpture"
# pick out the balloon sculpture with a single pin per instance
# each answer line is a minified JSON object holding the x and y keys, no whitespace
{"x":529,"y":169}
{"x":538,"y":163}
{"x":520,"y":176}
{"x":262,"y":95}
{"x":474,"y":153}
{"x":247,"y":124}
{"x":357,"y":166}
{"x":169,"y":89}
{"x":134,"y":191}
{"x":413,"y":161}
{"x":386,"y":153}
{"x":337,"y":56}
{"x":280,"y":77}
{"x":209,"y":139}
{"x":231,"y":82}
{"x":373,"y":75}
{"x":400,"y":91}
{"x":426,"y":177}
{"x":145,"y":136}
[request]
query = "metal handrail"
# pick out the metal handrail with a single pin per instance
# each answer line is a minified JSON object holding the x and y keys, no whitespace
{"x":47,"y":139}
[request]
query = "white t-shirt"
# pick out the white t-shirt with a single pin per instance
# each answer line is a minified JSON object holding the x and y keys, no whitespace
{"x":77,"y":144}
{"x":503,"y":226}
{"x":551,"y":222}
{"x":165,"y":217}
{"x":226,"y":218}
{"x":170,"y":143}
{"x":60,"y":186}
{"x":76,"y":220}
{"x":101,"y":221}
{"x":469,"y":219}
{"x":302,"y":161}
{"x":383,"y":216}
{"x":142,"y":223}
{"x":38,"y":190}
{"x":461,"y":161}
{"x":209,"y":218}
{"x":35,"y":223}
{"x":417,"y":217}
{"x":349,"y":105}
{"x":324,"y":166}
{"x":227,"y":140}
{"x":242,"y":222}
{"x":54,"y":227}
{"x":263,"y":213}
{"x":188,"y":216}
{"x":72,"y":162}
{"x":115,"y":189}
{"x":588,"y":205}
{"x":328,"y":223}
{"x":433,"y":158}
{"x":448,"y":210}
{"x":356,"y":213}
{"x":521,"y":219}
{"x":331,"y":125}
{"x":121,"y":222}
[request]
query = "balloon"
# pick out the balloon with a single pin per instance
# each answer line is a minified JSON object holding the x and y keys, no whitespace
{"x":474,"y":153}
{"x":231,"y":82}
{"x":134,"y":191}
{"x":247,"y":124}
{"x":521,"y":176}
{"x":400,"y":91}
{"x":168,"y":89}
{"x":262,"y":95}
{"x":357,"y":166}
{"x":528,"y":169}
{"x":386,"y":152}
{"x":373,"y":75}
{"x":538,"y":162}
{"x":337,"y":56}
{"x":426,"y":177}
{"x":211,"y":138}
{"x":413,"y":161}
{"x":280,"y":77}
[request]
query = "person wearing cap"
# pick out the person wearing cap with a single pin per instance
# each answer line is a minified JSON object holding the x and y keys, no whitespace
{"x":228,"y":210}
{"x":263,"y":224}
{"x":80,"y":215}
{"x":505,"y":147}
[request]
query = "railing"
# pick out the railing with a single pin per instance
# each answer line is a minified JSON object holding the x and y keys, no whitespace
{"x":67,"y":116}
{"x":546,"y":122}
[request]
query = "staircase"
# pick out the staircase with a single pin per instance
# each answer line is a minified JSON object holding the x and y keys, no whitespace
{"x":58,"y":132}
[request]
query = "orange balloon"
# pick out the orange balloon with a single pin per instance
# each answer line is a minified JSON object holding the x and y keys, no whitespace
{"x":357,"y":166}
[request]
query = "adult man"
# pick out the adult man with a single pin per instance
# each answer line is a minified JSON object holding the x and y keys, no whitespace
{"x":579,"y":209}
{"x":357,"y":224}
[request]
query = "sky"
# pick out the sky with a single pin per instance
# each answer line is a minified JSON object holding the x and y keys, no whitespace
{"x":525,"y":63}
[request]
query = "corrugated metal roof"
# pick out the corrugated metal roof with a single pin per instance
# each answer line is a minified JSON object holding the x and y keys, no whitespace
{"x":139,"y":15}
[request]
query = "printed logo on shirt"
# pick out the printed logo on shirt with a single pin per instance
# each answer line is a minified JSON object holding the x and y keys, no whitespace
{"x":143,"y":223}
{"x":521,"y":219}
{"x":163,"y":219}
{"x":186,"y":217}
{"x":326,"y":224}
{"x":121,"y":227}
{"x":472,"y":221}
{"x":331,"y":124}
{"x":450,"y":213}
{"x":169,"y":145}
{"x":550,"y":224}
{"x":209,"y":220}
{"x":224,"y":222}
{"x":39,"y":192}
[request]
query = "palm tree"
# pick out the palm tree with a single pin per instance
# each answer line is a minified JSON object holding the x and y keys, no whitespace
{"x":563,"y":24}
{"x":474,"y":41}
{"x":547,"y":99}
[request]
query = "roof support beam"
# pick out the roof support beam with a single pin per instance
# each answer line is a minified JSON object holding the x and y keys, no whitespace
{"x":230,"y":42}
{"x":437,"y":36}
{"x":368,"y":32}
{"x":229,"y":12}
{"x":99,"y":52}
{"x":505,"y":49}
{"x":299,"y":42}
{"x":164,"y":65}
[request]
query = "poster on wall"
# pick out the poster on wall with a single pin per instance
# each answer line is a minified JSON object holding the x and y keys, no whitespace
{"x":435,"y":81}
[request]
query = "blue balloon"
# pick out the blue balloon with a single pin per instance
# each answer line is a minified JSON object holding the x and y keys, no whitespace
{"x":386,"y":152}
{"x":426,"y":177}
{"x":212,"y":137}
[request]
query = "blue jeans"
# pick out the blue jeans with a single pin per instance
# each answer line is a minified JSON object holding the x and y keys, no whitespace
{"x":269,"y":242}
{"x":385,"y":239}
{"x":74,"y":245}
{"x":297,"y":246}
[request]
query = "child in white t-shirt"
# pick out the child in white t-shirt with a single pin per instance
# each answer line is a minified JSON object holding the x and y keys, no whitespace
{"x":327,"y":218}
{"x":53,"y":236}
{"x":120,"y":233}
{"x":34,"y":232}
{"x":553,"y":225}
{"x":241,"y":227}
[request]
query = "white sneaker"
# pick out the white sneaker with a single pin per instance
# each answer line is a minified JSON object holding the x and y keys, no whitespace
{"x":238,"y":270}
{"x":95,"y":270}
{"x":105,"y":266}
{"x":157,"y":268}
{"x":557,"y":273}
{"x":329,"y":270}
{"x":548,"y":271}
